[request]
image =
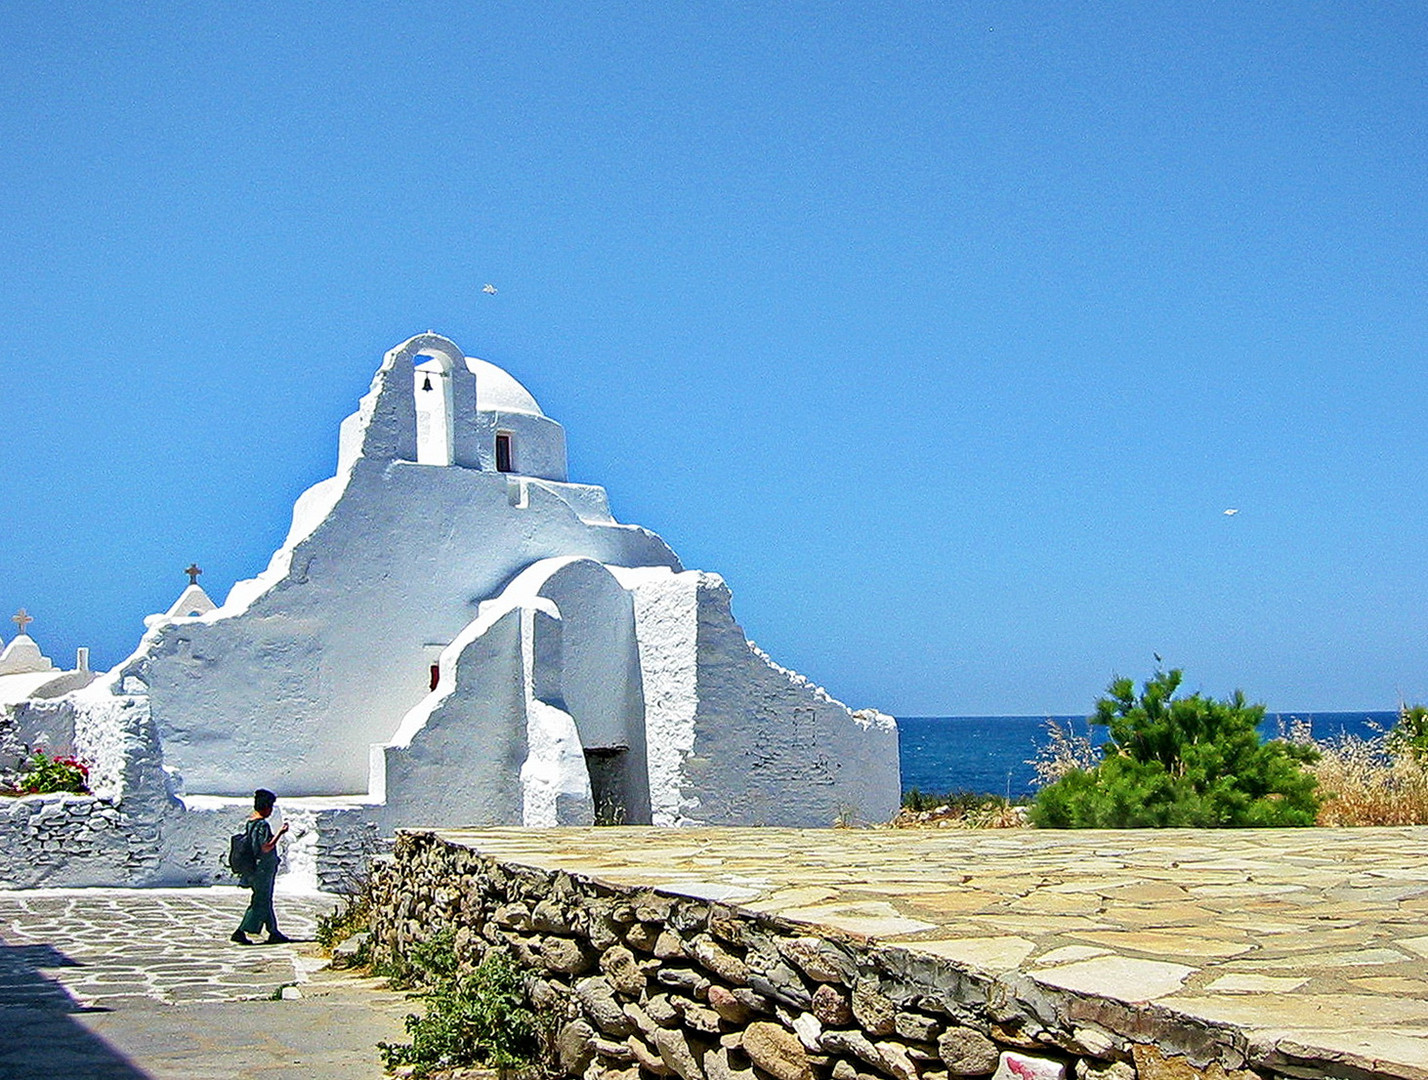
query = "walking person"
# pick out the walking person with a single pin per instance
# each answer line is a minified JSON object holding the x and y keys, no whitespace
{"x":265,"y":854}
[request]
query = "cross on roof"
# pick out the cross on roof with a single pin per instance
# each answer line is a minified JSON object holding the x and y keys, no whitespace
{"x":21,"y":619}
{"x":193,"y":571}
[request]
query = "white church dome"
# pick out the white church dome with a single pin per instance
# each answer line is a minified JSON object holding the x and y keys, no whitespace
{"x":497,"y":391}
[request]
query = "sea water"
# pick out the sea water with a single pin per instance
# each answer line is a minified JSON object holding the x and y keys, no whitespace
{"x":992,"y":754}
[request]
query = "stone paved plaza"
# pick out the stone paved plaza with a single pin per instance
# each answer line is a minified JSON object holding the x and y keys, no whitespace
{"x":1311,"y":942}
{"x":125,"y":984}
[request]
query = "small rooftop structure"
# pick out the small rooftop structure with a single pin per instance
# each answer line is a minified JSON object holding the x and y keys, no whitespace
{"x":25,"y":672}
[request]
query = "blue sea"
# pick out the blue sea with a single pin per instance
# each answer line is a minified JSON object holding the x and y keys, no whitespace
{"x":989,"y":754}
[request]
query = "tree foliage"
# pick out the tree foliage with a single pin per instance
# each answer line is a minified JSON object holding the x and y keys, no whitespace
{"x":1192,"y":762}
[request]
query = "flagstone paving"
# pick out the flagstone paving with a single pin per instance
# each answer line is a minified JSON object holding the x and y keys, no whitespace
{"x":128,"y":984}
{"x":1313,"y":942}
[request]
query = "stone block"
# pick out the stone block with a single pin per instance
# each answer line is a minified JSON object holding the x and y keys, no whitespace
{"x":809,"y":1030}
{"x":853,"y":1043}
{"x":782,"y":984}
{"x":831,"y":1006}
{"x":669,"y":946}
{"x":697,"y":1017}
{"x":777,"y":1051}
{"x":597,"y":997}
{"x":567,"y":956}
{"x":1152,"y":1063}
{"x":675,"y":1050}
{"x":689,"y":916}
{"x":513,"y":916}
{"x":896,"y":1061}
{"x":1018,"y":1066}
{"x":820,"y":960}
{"x":641,"y":1019}
{"x":612,"y":1050}
{"x":714,"y":958}
{"x":547,"y":917}
{"x":647,"y":1058}
{"x":661,"y":1011}
{"x":575,"y":1047}
{"x":876,"y":1014}
{"x":729,"y":1007}
{"x":619,"y":966}
{"x":967,"y":1052}
{"x":642,"y":936}
{"x":916,"y":1027}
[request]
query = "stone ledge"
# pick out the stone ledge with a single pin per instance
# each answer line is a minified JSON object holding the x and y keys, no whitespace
{"x":1286,"y":952}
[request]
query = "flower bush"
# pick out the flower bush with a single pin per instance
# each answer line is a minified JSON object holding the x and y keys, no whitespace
{"x":42,"y":774}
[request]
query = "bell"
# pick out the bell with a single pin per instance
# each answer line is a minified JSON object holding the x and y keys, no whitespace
{"x":426,"y":383}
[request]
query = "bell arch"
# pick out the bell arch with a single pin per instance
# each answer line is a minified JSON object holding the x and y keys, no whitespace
{"x":444,"y":399}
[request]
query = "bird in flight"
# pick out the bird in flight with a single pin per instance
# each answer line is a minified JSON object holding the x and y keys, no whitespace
{"x":489,"y":288}
{"x":1232,"y":511}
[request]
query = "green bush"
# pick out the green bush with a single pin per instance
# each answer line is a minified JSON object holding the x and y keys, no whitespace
{"x":478,"y":1017}
{"x":1190,"y":762}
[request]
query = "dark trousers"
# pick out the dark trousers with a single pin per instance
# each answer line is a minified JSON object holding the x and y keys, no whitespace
{"x":260,"y":908}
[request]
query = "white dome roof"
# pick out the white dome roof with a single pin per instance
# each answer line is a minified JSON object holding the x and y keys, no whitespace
{"x":497,"y":391}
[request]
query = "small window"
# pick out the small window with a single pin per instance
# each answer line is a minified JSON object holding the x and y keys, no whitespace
{"x":503,"y":452}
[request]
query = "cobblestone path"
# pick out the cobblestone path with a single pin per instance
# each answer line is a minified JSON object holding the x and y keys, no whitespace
{"x":143,"y":984}
{"x":98,"y":947}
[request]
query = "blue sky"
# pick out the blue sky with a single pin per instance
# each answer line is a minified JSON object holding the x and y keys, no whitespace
{"x":946,"y":332}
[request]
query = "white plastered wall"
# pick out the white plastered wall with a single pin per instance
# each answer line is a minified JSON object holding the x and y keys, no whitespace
{"x":290,"y":681}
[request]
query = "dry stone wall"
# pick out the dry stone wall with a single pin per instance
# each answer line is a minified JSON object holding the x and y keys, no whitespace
{"x":645,"y":985}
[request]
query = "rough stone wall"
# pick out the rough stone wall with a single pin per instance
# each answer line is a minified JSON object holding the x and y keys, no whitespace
{"x":111,"y":837}
{"x":67,"y":840}
{"x":646,"y":986}
{"x":133,"y":831}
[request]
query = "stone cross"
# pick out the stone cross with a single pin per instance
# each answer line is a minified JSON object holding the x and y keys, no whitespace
{"x":193,"y":571}
{"x":21,"y":619}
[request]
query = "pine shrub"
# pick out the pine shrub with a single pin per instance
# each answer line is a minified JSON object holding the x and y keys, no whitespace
{"x":1192,"y":762}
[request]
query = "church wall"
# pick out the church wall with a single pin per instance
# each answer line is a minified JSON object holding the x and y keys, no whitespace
{"x":666,"y":612}
{"x":291,"y":693}
{"x":597,"y":679}
{"x":734,"y":738}
{"x":463,"y":765}
{"x":579,"y":664}
{"x":771,"y":747}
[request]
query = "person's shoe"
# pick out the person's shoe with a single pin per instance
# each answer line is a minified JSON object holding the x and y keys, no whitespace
{"x":277,"y":939}
{"x":240,"y":938}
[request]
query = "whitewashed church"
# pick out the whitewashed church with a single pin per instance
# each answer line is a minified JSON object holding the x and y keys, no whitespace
{"x":453,"y":633}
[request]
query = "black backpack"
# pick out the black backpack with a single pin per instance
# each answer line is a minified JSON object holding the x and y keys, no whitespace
{"x":241,"y":859}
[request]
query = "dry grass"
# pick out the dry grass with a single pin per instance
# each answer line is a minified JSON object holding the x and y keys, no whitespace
{"x":1005,"y":816}
{"x":1377,"y":781}
{"x":1063,"y":752}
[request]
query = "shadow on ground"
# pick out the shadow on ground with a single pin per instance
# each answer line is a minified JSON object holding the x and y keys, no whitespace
{"x":40,"y":1036}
